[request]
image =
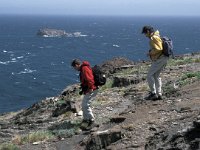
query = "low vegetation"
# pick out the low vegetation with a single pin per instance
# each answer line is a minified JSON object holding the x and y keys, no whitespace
{"x":183,"y":61}
{"x":33,"y":137}
{"x":189,"y":77}
{"x":66,"y":128}
{"x":8,"y":146}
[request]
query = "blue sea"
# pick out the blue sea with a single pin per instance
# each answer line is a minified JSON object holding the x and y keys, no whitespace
{"x":33,"y":68}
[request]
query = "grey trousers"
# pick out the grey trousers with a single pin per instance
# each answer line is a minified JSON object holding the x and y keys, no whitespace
{"x":87,"y":111}
{"x":153,"y":76}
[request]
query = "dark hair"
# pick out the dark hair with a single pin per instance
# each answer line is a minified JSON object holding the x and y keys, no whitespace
{"x":75,"y":62}
{"x":147,"y":28}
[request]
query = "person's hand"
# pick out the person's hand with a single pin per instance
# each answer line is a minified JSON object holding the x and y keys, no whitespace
{"x":81,"y":93}
{"x":148,"y":54}
{"x":90,"y":90}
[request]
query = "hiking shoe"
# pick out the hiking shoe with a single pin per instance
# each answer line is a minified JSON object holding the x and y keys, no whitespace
{"x":88,"y":124}
{"x":91,"y":125}
{"x":151,"y":96}
{"x":159,"y":97}
{"x":84,"y":124}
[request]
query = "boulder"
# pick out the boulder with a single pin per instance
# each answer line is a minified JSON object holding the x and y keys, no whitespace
{"x":101,"y":139}
{"x":120,"y":81}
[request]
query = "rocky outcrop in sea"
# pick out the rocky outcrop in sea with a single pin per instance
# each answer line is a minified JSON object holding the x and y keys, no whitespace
{"x":49,"y":32}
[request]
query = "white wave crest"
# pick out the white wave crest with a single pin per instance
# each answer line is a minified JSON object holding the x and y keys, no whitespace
{"x":75,"y":34}
{"x":78,"y":34}
{"x":26,"y":71}
{"x":7,"y":62}
{"x":114,"y":45}
{"x":20,"y":57}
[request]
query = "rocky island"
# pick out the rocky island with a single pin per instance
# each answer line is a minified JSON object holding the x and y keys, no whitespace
{"x":126,"y":120}
{"x":47,"y":32}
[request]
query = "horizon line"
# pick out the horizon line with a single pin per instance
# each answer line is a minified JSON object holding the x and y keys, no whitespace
{"x":96,"y":15}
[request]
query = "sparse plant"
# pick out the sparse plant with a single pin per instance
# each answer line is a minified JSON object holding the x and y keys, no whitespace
{"x":8,"y":146}
{"x":170,"y":90}
{"x":61,"y":101}
{"x":182,"y":61}
{"x":191,"y":75}
{"x":66,"y":128}
{"x":39,"y":136}
{"x":33,"y":137}
{"x":188,"y":78}
{"x":143,"y":87}
{"x":17,"y":139}
{"x":67,"y":114}
{"x":100,"y":101}
{"x":126,"y":71}
{"x":64,"y":132}
{"x":109,"y":84}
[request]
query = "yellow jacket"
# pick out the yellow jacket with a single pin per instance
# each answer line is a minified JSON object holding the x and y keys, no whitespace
{"x":155,"y":45}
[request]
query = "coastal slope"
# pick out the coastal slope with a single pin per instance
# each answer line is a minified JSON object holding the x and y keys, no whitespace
{"x":126,"y":120}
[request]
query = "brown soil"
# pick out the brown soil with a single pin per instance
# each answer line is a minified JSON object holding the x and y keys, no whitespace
{"x":143,"y":119}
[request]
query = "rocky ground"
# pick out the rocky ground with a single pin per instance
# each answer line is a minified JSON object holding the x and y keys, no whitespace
{"x":126,"y":120}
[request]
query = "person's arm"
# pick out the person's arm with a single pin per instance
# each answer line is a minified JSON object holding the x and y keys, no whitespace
{"x":156,"y":46}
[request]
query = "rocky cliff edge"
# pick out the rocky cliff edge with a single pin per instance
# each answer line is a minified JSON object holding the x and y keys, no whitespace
{"x":126,"y":120}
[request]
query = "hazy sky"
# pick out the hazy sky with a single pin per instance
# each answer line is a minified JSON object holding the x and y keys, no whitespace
{"x":101,"y":7}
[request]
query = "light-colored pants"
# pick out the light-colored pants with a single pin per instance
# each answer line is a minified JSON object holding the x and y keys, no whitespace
{"x":153,"y":79}
{"x":87,"y":111}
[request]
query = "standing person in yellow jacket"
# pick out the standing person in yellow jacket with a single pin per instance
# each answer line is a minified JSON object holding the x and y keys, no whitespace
{"x":159,"y":61}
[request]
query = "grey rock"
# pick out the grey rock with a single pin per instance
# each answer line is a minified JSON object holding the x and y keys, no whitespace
{"x":120,"y":81}
{"x":101,"y":139}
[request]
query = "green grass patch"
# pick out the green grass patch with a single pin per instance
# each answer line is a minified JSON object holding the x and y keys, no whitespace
{"x":126,"y":71}
{"x":33,"y":137}
{"x":8,"y":146}
{"x":66,"y":128}
{"x":188,"y":78}
{"x":183,"y":61}
{"x":138,"y":70}
{"x":108,"y":85}
{"x":39,"y":136}
{"x":191,"y":75}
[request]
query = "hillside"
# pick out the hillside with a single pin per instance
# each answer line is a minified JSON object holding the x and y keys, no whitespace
{"x":126,"y":120}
